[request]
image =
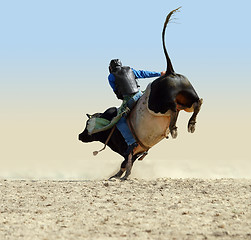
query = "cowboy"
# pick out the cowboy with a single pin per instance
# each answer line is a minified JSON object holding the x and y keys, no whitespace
{"x":123,"y":81}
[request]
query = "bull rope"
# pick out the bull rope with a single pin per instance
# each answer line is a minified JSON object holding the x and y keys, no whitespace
{"x":95,"y":153}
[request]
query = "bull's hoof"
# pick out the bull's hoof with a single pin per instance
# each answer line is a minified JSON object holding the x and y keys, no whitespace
{"x":127,"y":174}
{"x":117,"y":175}
{"x":123,"y":178}
{"x":174,"y":132}
{"x":191,"y":127}
{"x":113,"y":178}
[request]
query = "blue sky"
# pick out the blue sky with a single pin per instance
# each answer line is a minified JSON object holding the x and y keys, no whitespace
{"x":54,"y":58}
{"x":44,"y":43}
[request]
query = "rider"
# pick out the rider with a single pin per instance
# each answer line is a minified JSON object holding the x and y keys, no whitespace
{"x":123,"y":81}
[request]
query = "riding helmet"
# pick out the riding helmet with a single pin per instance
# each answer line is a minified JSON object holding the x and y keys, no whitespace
{"x":114,"y":65}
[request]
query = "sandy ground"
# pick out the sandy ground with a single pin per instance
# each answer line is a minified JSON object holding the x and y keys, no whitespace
{"x":135,"y":209}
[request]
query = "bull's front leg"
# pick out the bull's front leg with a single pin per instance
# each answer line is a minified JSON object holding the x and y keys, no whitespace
{"x":128,"y":167}
{"x":118,"y":174}
{"x":121,"y":170}
{"x":192,"y":120}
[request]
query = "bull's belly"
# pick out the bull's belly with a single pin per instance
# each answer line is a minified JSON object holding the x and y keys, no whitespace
{"x":149,"y":128}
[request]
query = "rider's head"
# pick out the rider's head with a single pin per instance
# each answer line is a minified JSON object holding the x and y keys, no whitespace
{"x":115,"y":64}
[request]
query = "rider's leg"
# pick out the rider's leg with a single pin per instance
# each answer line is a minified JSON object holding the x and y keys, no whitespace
{"x":126,"y":133}
{"x":133,"y":100}
{"x":127,"y":105}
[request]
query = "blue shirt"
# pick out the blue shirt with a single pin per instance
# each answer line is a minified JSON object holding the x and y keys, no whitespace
{"x":137,"y":73}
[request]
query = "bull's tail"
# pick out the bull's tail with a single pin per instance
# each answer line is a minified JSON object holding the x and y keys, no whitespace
{"x":169,"y":69}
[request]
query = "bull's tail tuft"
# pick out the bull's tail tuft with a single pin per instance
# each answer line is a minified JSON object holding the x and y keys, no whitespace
{"x":169,"y":69}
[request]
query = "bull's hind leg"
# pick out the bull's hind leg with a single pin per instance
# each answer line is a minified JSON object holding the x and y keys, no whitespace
{"x":192,"y":120}
{"x":173,"y":120}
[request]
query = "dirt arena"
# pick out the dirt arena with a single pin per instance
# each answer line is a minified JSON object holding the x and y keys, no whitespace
{"x":135,"y":209}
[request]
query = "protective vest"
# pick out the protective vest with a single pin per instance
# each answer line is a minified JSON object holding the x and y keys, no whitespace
{"x":125,"y":82}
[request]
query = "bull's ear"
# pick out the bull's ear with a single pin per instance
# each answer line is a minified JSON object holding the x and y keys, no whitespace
{"x":89,"y":116}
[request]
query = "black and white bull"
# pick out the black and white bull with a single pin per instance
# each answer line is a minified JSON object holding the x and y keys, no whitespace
{"x":154,"y":115}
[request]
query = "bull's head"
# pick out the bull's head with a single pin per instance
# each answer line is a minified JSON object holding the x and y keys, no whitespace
{"x":84,"y":136}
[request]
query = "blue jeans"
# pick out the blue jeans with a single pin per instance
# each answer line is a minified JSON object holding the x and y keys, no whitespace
{"x":125,"y":131}
{"x":133,"y":100}
{"x":122,"y":124}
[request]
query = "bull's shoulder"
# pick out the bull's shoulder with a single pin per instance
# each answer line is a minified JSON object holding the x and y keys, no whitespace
{"x":109,"y":113}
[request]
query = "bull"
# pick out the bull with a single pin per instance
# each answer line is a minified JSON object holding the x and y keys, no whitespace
{"x":154,"y":116}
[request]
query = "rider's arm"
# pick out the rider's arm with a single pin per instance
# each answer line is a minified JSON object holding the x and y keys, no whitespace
{"x":145,"y":74}
{"x":111,"y":80}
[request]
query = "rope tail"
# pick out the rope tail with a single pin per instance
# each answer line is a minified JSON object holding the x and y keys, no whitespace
{"x":169,"y":69}
{"x":95,"y":153}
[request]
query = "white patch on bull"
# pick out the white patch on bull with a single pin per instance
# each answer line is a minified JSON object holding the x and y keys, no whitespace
{"x":91,"y":123}
{"x":149,"y":127}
